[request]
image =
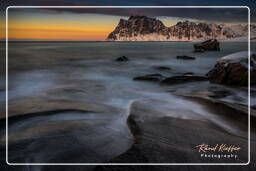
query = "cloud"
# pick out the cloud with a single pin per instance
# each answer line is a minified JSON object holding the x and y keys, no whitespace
{"x":221,"y":15}
{"x":208,"y":14}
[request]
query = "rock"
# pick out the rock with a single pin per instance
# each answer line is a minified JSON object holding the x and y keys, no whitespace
{"x":188,"y":73}
{"x":183,"y":79}
{"x":160,"y":137}
{"x":162,"y":68}
{"x":149,"y":77}
{"x":219,"y":93}
{"x":58,"y":126}
{"x":186,"y":57}
{"x":211,"y":44}
{"x":233,"y":70}
{"x":26,"y":105}
{"x":122,"y":59}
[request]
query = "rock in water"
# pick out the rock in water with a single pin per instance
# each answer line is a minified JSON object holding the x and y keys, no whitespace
{"x":233,"y":70}
{"x":183,"y":79}
{"x":211,"y":44}
{"x":149,"y":77}
{"x":162,"y":68}
{"x":186,"y":57}
{"x":122,"y":59}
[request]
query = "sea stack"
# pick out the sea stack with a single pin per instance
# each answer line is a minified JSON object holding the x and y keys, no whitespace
{"x":212,"y":45}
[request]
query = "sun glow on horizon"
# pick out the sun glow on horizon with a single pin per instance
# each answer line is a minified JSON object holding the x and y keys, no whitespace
{"x":60,"y":26}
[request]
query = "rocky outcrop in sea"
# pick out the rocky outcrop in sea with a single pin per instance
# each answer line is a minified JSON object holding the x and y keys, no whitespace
{"x":233,"y":69}
{"x":211,"y":44}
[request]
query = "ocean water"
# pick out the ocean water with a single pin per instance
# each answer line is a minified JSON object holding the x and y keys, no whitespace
{"x":60,"y":75}
{"x":36,"y":67}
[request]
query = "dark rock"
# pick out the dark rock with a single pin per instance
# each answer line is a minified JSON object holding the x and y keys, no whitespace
{"x":149,"y":77}
{"x":186,"y":57}
{"x":219,"y":93}
{"x":233,"y":71}
{"x":162,"y":68}
{"x":122,"y":59}
{"x":183,"y":79}
{"x":224,"y":108}
{"x":161,"y":138}
{"x":211,"y":44}
{"x":188,"y":73}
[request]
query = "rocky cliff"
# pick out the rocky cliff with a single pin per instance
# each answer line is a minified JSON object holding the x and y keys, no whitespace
{"x":142,"y":28}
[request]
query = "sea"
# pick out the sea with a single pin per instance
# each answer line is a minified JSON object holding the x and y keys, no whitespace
{"x":77,"y":91}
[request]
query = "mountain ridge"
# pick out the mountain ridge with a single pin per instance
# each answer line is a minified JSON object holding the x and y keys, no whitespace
{"x":143,"y":28}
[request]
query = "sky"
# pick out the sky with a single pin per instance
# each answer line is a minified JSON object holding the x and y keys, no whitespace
{"x":60,"y":26}
{"x":96,"y":24}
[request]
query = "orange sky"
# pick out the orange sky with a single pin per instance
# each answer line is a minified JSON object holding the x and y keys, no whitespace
{"x":56,"y":32}
{"x":60,"y":26}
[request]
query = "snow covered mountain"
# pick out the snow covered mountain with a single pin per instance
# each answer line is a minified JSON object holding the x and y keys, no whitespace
{"x":142,"y":28}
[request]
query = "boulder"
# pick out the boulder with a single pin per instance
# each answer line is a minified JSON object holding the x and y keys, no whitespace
{"x":122,"y":59}
{"x":149,"y":77}
{"x":183,"y":79}
{"x":233,"y":70}
{"x":211,"y":44}
{"x":186,"y":57}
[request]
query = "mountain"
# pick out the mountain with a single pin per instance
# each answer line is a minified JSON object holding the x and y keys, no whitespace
{"x":142,"y":28}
